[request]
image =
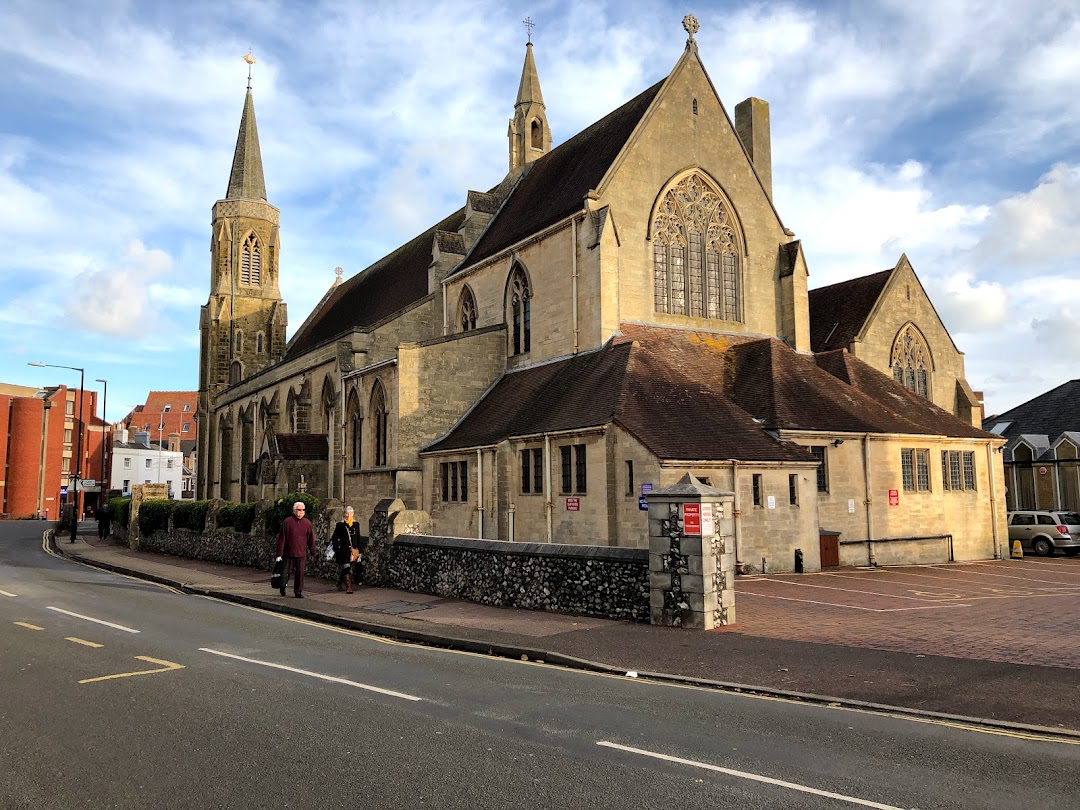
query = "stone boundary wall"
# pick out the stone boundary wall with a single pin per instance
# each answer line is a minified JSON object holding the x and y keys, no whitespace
{"x":929,"y":550}
{"x":600,"y":581}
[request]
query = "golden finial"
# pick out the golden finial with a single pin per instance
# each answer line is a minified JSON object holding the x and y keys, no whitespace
{"x":249,"y":57}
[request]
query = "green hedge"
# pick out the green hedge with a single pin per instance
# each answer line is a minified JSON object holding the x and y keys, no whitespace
{"x":190,"y":515}
{"x":120,"y":510}
{"x":154,"y":515}
{"x":239,"y":516}
{"x":282,"y":508}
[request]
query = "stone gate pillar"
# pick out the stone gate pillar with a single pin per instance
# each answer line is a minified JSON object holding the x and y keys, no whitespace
{"x":380,"y":538}
{"x":691,"y":555}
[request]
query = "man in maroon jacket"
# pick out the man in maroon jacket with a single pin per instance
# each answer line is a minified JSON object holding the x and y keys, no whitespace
{"x":297,"y":538}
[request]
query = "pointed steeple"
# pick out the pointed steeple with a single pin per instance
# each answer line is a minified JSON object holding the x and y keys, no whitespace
{"x":246,"y":179}
{"x":529,"y":135}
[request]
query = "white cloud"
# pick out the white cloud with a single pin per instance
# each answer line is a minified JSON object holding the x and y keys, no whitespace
{"x":116,"y":300}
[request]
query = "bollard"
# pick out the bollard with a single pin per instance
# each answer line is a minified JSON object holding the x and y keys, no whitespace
{"x":798,"y":561}
{"x":1017,"y":550}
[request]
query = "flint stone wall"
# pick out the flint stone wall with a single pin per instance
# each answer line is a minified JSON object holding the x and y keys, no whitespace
{"x":589,"y":580}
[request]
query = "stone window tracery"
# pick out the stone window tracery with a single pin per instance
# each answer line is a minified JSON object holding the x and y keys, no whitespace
{"x":695,"y":253}
{"x":467,"y":310}
{"x":520,"y":311}
{"x":251,"y":261}
{"x":911,"y":361}
{"x":380,"y":418}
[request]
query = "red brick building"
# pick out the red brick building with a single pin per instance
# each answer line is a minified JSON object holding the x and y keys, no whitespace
{"x":172,"y":411}
{"x":41,"y":428}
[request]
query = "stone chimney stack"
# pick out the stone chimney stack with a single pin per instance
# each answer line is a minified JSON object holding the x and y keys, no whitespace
{"x":174,"y":443}
{"x":752,"y":126}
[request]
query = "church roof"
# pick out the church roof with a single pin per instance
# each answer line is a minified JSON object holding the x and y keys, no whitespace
{"x":388,"y":286}
{"x":246,"y":178}
{"x":838,"y":312}
{"x":701,"y":396}
{"x":554,"y":186}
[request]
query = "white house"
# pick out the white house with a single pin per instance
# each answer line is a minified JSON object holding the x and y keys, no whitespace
{"x":142,"y":462}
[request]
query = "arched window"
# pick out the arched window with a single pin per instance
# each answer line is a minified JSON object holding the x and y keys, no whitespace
{"x":911,"y":364}
{"x":379,"y":418}
{"x":355,"y":425}
{"x":259,"y":343}
{"x":467,"y":310}
{"x":238,"y":342}
{"x":696,"y":256}
{"x":251,"y":261}
{"x":520,"y":311}
{"x":537,"y":134}
{"x":236,"y":372}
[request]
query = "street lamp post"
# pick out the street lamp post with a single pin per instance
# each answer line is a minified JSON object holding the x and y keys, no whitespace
{"x":160,"y":428}
{"x":104,"y":436}
{"x":78,"y":454}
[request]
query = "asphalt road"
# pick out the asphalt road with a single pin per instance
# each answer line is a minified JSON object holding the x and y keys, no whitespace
{"x":115,"y":693}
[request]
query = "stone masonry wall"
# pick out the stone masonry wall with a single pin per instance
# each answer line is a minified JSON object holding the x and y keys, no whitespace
{"x":595,"y":581}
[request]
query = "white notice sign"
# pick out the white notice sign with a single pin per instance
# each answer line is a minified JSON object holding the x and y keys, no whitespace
{"x":851,"y":506}
{"x":772,"y":501}
{"x":708,"y":527}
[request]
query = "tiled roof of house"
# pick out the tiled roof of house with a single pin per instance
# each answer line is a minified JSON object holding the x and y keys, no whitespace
{"x":1048,"y":415}
{"x":388,"y":286}
{"x":701,"y":396}
{"x":555,"y":186}
{"x":838,"y":312}
{"x":302,"y":445}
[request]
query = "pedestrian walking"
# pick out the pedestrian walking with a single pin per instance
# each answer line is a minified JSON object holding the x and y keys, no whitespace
{"x":296,"y":540}
{"x":346,"y":544}
{"x":104,"y":521}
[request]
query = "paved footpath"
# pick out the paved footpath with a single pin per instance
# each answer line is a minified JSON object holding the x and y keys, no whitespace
{"x":822,"y":650}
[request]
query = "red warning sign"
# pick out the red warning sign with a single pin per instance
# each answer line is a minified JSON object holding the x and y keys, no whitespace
{"x":691,"y":516}
{"x":894,"y":497}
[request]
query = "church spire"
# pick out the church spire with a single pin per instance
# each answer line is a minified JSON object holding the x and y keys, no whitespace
{"x":529,"y":135}
{"x":246,"y":179}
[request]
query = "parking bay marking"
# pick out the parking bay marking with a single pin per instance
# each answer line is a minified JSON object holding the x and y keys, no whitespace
{"x":166,"y":666}
{"x":84,"y":642}
{"x":320,"y":676}
{"x":6,"y":593}
{"x":754,"y":777}
{"x":29,"y":626}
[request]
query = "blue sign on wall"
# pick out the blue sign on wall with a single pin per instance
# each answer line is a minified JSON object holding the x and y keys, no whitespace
{"x":643,"y":503}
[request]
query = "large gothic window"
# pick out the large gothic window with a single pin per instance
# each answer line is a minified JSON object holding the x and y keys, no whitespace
{"x":695,"y":253}
{"x":911,"y":361}
{"x":250,"y":261}
{"x":379,"y":418}
{"x":520,"y":311}
{"x":467,"y":310}
{"x":355,"y":424}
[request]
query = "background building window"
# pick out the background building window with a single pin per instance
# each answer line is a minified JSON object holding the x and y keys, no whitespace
{"x":793,"y":489}
{"x":755,"y":485}
{"x":250,"y":261}
{"x":467,"y":310}
{"x":911,"y":361}
{"x":630,"y":477}
{"x":379,"y":419}
{"x":907,"y":469}
{"x":455,"y":481}
{"x":822,"y":474}
{"x":915,"y":469}
{"x":520,"y":311}
{"x":958,"y":469}
{"x":532,"y":471}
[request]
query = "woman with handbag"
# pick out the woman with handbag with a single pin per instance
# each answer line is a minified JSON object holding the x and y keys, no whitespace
{"x":346,"y":544}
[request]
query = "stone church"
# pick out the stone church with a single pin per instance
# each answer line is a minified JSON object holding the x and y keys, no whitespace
{"x":620,"y":310}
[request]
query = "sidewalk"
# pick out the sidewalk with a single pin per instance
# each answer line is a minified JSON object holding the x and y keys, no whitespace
{"x":1000,"y":693}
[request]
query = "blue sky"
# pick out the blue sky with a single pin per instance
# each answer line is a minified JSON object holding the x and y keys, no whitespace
{"x":949,"y":130}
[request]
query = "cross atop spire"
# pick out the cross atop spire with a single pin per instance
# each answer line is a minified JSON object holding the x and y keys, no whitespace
{"x":529,"y":26}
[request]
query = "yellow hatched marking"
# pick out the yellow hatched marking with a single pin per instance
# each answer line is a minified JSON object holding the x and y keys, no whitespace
{"x":166,"y":666}
{"x":29,"y":626}
{"x":85,"y":643}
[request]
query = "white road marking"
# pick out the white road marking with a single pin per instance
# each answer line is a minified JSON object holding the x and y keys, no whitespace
{"x":5,"y":593}
{"x":320,"y":676}
{"x":753,"y":777}
{"x":84,"y":642}
{"x":848,"y":607}
{"x":845,"y":590}
{"x":91,"y":619}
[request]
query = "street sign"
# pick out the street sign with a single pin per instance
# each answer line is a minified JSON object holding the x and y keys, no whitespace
{"x":646,"y":489}
{"x":63,"y":490}
{"x":83,"y":484}
{"x":643,"y":503}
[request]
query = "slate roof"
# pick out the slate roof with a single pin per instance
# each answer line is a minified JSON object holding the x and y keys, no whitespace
{"x":302,"y":445}
{"x":1048,"y":415}
{"x":701,"y":396}
{"x":388,"y":286}
{"x":555,"y":186}
{"x":838,"y":311}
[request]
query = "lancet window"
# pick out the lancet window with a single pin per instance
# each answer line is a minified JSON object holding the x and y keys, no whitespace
{"x":467,"y":310}
{"x":911,"y":361}
{"x":696,"y":257}
{"x":520,"y":311}
{"x":379,"y":418}
{"x":251,"y":261}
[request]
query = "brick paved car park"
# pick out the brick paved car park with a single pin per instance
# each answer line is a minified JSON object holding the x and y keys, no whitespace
{"x":1012,"y":611}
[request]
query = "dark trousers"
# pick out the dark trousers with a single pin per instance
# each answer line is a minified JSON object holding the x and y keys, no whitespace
{"x":294,"y":569}
{"x":102,"y":530}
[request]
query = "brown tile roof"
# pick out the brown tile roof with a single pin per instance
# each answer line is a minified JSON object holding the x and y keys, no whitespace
{"x":838,"y":312}
{"x":388,"y":286}
{"x":302,"y":445}
{"x":555,"y":186}
{"x":701,"y":396}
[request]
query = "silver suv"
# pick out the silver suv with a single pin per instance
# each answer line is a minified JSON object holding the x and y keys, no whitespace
{"x":1044,"y":530}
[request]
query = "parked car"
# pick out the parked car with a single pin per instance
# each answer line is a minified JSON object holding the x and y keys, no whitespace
{"x":1044,"y":530}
